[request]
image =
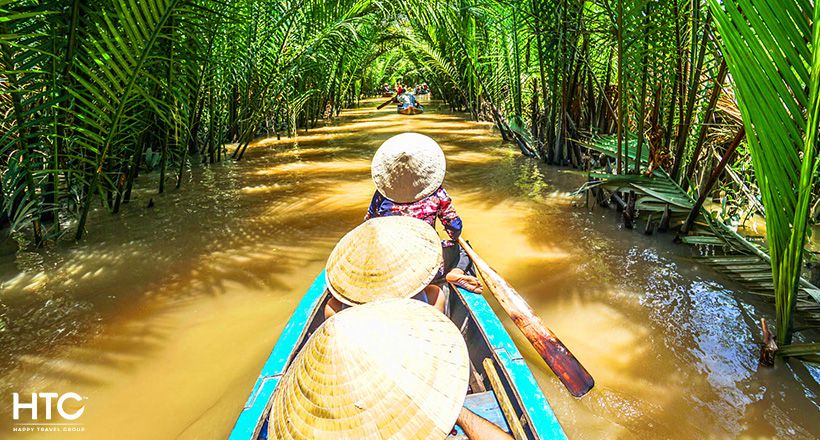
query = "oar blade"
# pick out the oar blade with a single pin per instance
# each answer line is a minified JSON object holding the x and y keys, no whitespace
{"x":557,"y":356}
{"x":563,"y":363}
{"x":392,"y":99}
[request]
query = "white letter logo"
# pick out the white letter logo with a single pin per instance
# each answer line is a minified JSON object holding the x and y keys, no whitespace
{"x":66,"y":415}
{"x":18,"y":406}
{"x":49,"y":398}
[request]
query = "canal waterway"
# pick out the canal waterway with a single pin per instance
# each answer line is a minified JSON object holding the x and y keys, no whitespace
{"x":162,"y":317}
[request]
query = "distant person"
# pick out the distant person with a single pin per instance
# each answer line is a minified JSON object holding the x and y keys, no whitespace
{"x":408,"y":99}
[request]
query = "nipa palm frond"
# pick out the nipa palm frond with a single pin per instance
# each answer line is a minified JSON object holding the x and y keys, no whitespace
{"x":773,"y":53}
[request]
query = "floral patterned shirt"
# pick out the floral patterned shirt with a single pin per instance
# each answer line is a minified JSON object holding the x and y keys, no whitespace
{"x":436,"y":205}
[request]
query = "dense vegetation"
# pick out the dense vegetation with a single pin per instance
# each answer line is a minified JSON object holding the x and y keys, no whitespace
{"x":94,"y":92}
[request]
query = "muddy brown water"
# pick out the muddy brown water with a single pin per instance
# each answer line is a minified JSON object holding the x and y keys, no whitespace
{"x":163,"y":317}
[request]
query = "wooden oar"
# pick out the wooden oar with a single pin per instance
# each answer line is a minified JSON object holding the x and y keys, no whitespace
{"x":392,"y":99}
{"x":572,"y":374}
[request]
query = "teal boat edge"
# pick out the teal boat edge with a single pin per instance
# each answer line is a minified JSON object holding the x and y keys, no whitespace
{"x":539,"y":414}
{"x":250,"y":420}
{"x":538,"y":410}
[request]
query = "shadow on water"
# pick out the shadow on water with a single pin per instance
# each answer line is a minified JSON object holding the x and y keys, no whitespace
{"x":181,"y":303}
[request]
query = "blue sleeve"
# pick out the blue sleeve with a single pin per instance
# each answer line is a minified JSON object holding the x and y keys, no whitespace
{"x":373,"y":210}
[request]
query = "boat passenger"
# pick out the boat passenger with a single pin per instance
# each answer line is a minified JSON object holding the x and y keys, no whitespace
{"x":365,"y":374}
{"x":384,"y":258}
{"x":408,"y":170}
{"x":408,"y":99}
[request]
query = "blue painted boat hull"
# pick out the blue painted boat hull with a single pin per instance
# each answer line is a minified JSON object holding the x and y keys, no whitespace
{"x":486,"y":337}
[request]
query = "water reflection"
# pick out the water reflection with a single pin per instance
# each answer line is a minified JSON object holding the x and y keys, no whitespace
{"x":181,"y":303}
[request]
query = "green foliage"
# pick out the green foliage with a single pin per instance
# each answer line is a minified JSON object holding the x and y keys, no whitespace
{"x":806,"y":352}
{"x":89,"y":87}
{"x":775,"y":64}
{"x":183,"y":77}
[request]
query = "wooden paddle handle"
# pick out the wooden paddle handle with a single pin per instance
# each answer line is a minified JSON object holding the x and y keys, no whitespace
{"x":557,"y":356}
{"x":392,"y":99}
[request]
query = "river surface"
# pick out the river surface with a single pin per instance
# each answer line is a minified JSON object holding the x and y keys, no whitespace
{"x":163,"y":316}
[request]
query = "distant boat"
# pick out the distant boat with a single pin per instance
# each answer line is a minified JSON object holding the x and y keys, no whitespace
{"x":409,"y":109}
{"x":523,"y":407}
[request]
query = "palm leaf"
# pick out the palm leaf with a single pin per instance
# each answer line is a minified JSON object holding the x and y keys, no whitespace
{"x":111,"y":74}
{"x":772,"y":54}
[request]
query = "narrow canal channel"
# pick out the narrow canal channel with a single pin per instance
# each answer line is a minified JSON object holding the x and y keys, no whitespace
{"x":163,"y":317}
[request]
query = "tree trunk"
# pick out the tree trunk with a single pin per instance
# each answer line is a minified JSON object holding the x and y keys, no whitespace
{"x":706,"y":189}
{"x":704,"y":126}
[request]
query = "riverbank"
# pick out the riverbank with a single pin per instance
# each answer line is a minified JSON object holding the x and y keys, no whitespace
{"x":166,"y":314}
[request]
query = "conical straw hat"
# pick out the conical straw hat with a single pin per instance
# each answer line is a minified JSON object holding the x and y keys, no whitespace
{"x":393,"y":369}
{"x":384,"y":257}
{"x":408,"y":167}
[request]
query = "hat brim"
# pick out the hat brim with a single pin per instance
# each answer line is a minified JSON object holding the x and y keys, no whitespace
{"x":349,"y":302}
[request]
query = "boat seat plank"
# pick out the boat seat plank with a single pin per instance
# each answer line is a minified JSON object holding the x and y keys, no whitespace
{"x":485,"y":405}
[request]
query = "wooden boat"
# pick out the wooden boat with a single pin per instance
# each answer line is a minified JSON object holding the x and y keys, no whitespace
{"x":502,"y":387}
{"x":410,"y":110}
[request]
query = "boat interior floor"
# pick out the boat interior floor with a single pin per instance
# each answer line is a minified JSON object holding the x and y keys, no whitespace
{"x":485,"y":405}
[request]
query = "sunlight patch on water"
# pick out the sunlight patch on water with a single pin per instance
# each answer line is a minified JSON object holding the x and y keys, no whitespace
{"x":471,"y":157}
{"x":317,"y":167}
{"x":290,"y":152}
{"x":267,"y":189}
{"x":26,"y":282}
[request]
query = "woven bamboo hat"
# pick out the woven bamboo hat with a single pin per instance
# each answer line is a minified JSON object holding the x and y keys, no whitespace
{"x":408,"y":167}
{"x":394,"y":369}
{"x":384,"y":257}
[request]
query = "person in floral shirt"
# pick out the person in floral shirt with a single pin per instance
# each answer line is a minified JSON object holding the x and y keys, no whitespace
{"x":435,"y":206}
{"x":408,"y":170}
